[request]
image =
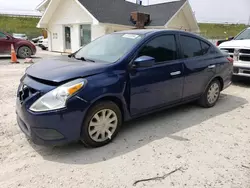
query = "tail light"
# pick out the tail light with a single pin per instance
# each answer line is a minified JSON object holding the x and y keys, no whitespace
{"x":217,"y":43}
{"x":231,"y":60}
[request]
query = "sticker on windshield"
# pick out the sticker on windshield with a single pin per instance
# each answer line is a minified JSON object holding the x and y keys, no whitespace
{"x":130,"y":36}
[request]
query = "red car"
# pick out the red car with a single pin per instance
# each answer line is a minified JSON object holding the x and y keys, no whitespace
{"x":23,"y":48}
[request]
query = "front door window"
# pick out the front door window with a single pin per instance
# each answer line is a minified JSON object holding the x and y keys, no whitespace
{"x":67,"y":38}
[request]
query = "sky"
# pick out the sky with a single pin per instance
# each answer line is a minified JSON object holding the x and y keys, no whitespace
{"x":213,"y":11}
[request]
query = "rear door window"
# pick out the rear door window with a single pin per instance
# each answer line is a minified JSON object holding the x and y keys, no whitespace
{"x":205,"y":47}
{"x":191,"y":46}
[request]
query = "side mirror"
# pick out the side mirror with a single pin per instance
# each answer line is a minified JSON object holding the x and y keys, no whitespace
{"x":144,"y":61}
{"x":8,"y":38}
{"x":230,"y":38}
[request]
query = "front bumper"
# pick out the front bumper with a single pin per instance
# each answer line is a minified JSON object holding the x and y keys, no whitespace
{"x":241,"y":68}
{"x":48,"y":128}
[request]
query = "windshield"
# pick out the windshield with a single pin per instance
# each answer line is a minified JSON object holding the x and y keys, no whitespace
{"x":19,"y":35}
{"x":109,"y":48}
{"x":243,"y":35}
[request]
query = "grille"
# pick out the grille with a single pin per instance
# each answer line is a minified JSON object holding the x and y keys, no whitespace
{"x":244,"y":58}
{"x":246,"y":71}
{"x":230,"y":50}
{"x":239,"y":54}
{"x":25,"y":92}
{"x":245,"y":51}
{"x":244,"y":55}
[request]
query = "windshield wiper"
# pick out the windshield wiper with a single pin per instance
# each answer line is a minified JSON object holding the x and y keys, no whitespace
{"x":81,"y":58}
{"x":84,"y":59}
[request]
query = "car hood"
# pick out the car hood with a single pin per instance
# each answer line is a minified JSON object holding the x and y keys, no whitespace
{"x":19,"y":39}
{"x":63,"y":68}
{"x":236,"y":44}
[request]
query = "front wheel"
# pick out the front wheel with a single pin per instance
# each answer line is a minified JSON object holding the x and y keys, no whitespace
{"x":24,"y":52}
{"x":211,"y":95}
{"x":101,"y":124}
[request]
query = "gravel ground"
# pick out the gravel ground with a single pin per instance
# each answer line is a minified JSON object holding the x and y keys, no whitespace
{"x":187,"y":146}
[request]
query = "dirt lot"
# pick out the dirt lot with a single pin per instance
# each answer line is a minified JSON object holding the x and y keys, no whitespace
{"x":208,"y":147}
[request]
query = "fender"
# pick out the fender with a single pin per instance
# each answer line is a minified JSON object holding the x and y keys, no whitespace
{"x":216,"y":76}
{"x":101,"y":87}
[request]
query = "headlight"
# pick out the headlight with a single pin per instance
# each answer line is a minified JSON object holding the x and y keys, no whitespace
{"x":57,"y":98}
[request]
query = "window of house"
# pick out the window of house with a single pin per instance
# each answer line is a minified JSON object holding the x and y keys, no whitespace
{"x":191,"y":46}
{"x":162,"y":48}
{"x":85,"y":34}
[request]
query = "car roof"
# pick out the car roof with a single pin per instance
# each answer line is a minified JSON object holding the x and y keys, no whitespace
{"x":152,"y":31}
{"x":144,"y":31}
{"x":164,"y":31}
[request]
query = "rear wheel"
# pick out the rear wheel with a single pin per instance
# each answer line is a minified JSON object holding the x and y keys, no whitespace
{"x":211,"y":95}
{"x":101,"y":124}
{"x":24,"y":52}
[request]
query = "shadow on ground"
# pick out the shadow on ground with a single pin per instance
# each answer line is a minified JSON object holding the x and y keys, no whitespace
{"x":242,"y":81}
{"x":140,"y":132}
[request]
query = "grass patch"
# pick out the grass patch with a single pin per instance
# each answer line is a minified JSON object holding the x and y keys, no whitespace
{"x":220,"y":31}
{"x":26,"y":25}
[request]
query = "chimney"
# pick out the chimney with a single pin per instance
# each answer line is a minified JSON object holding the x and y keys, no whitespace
{"x":140,"y":19}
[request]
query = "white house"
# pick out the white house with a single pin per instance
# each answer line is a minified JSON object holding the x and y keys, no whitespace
{"x":74,"y":23}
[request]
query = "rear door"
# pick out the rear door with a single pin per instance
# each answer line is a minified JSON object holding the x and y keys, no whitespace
{"x":199,"y":65}
{"x":161,"y":84}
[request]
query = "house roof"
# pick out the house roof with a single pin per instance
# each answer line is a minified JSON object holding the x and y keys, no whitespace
{"x":118,"y":11}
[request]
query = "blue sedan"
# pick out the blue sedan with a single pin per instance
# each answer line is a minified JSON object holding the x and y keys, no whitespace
{"x":121,"y":76}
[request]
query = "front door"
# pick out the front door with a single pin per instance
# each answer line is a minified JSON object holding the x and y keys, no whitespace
{"x":67,"y":37}
{"x":161,"y":84}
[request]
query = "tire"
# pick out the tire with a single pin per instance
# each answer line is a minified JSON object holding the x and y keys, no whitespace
{"x":24,"y":52}
{"x":91,"y":124}
{"x":208,"y":102}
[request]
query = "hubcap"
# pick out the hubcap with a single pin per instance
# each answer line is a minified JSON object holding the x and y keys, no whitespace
{"x":26,"y":52}
{"x":213,"y":93}
{"x":103,"y":125}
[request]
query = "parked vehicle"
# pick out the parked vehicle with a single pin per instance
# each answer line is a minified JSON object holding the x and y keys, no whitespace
{"x":43,"y":44}
{"x":224,"y":40}
{"x":35,"y":40}
{"x":23,"y":48}
{"x":118,"y":77}
{"x":20,"y":36}
{"x":239,"y":50}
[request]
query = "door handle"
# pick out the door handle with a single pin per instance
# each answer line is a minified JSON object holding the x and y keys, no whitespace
{"x":175,"y":73}
{"x":211,"y":66}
